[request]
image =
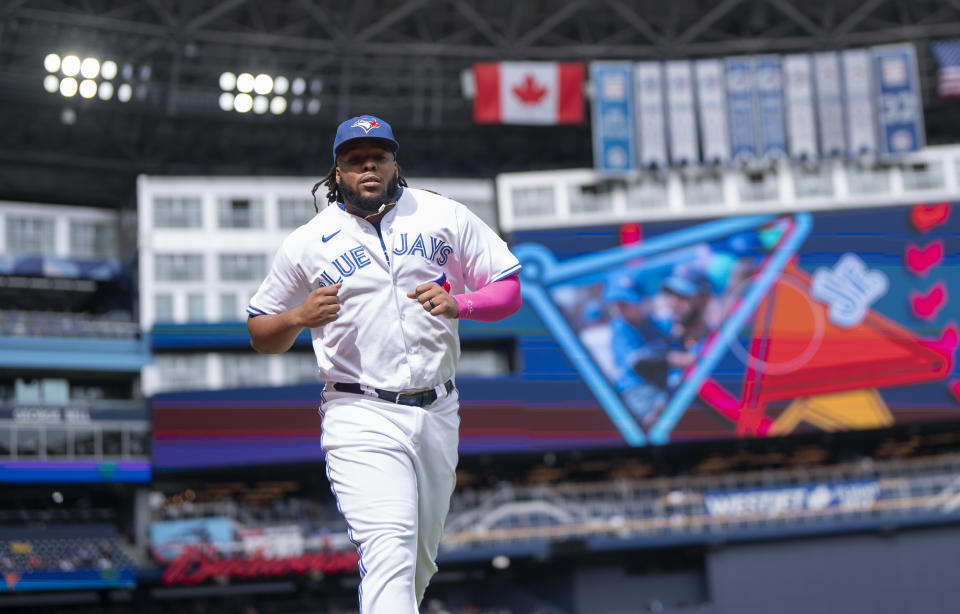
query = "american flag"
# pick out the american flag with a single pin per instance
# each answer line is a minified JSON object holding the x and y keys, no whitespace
{"x":947,"y":52}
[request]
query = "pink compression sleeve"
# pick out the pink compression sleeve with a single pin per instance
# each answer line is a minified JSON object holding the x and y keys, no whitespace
{"x":492,"y":302}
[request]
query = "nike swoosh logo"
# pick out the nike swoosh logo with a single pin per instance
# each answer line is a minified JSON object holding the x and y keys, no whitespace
{"x":330,"y":236}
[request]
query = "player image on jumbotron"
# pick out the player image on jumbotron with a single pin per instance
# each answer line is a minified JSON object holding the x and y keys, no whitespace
{"x":646,"y":321}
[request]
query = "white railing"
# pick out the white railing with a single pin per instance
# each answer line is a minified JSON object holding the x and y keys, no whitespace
{"x":583,"y":197}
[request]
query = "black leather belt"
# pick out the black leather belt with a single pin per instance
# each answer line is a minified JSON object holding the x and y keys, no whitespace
{"x":416,"y":399}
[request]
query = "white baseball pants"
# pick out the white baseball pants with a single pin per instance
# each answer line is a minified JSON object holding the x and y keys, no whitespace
{"x":392,"y":469}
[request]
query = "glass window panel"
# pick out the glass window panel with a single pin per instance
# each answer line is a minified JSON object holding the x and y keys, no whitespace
{"x":650,"y":193}
{"x":294,"y":212}
{"x":28,"y":442}
{"x":813,"y":182}
{"x":484,"y":362}
{"x":242,"y":267}
{"x":27,"y":391}
{"x":6,"y":436}
{"x":93,"y":239}
{"x":867,"y":180}
{"x":229,"y":307}
{"x":758,"y":186}
{"x":591,"y":198}
{"x":196,"y":308}
{"x":177,"y":213}
{"x":699,"y":190}
{"x":84,"y":443}
{"x":55,"y":390}
{"x":56,"y":442}
{"x":30,"y":235}
{"x":178,"y":267}
{"x":112,"y":442}
{"x":245,"y":370}
{"x":534,"y":202}
{"x":163,"y":308}
{"x":924,"y":176}
{"x":139,"y":443}
{"x":181,"y":371}
{"x":299,"y":367}
{"x":240,"y":213}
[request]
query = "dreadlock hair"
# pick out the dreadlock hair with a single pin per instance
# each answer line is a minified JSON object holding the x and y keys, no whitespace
{"x":333,"y":192}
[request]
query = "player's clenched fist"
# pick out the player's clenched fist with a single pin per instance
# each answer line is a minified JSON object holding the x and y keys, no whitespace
{"x":435,"y":300}
{"x":320,"y":307}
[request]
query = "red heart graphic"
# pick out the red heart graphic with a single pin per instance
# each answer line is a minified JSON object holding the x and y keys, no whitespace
{"x":921,"y":259}
{"x":925,"y":217}
{"x":955,"y":388}
{"x":925,"y":306}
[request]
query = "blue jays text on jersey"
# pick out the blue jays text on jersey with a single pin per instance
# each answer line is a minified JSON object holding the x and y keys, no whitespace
{"x":354,"y":259}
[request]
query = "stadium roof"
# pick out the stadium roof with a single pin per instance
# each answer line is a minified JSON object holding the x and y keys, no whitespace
{"x":403,"y":60}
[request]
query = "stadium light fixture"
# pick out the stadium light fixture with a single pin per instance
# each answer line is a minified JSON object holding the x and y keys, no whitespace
{"x":70,"y":66}
{"x":226,"y":101}
{"x":245,"y":83}
{"x":51,"y":83}
{"x":243,"y":103}
{"x":228,"y":81}
{"x":90,"y":68}
{"x":278,"y":105}
{"x":263,"y":92}
{"x":88,"y":88}
{"x":105,"y":92}
{"x":90,"y":77}
{"x":68,"y":87}
{"x":263,"y":84}
{"x":108,"y":70}
{"x":52,"y":62}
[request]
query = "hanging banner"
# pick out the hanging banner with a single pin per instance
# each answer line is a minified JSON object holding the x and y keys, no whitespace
{"x":739,"y":77}
{"x":826,"y":68}
{"x":899,"y":108}
{"x":614,"y":146}
{"x":681,"y":113}
{"x":858,"y":95}
{"x":713,"y":111}
{"x":801,"y":121}
{"x":769,"y":86}
{"x":651,"y":124}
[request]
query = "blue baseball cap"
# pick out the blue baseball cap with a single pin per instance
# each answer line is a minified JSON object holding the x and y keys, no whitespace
{"x":365,"y":127}
{"x":621,"y":289}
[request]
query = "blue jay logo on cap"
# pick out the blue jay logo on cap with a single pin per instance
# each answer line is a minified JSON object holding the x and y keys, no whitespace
{"x":365,"y":124}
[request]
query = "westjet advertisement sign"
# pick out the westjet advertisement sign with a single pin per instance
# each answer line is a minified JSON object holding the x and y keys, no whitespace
{"x":841,"y":496}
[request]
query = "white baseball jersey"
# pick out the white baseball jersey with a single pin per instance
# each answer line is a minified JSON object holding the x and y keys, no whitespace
{"x":381,"y":337}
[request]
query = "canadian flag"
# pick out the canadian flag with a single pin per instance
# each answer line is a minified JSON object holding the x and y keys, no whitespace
{"x":528,"y":92}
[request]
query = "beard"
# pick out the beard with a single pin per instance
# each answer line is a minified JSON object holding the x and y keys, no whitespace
{"x":370,"y":203}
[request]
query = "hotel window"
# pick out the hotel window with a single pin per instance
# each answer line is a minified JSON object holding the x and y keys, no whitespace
{"x":243,"y":267}
{"x":177,"y":213}
{"x":163,"y":308}
{"x":181,"y":371}
{"x":240,"y":213}
{"x":294,"y":212}
{"x":30,"y":235}
{"x":178,"y":267}
{"x":93,"y":240}
{"x":196,"y":308}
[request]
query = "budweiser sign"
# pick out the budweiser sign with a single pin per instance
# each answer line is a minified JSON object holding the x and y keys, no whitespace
{"x":196,"y":565}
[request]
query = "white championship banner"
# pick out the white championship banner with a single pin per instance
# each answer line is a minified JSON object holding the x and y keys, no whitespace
{"x":681,"y":113}
{"x":651,"y":124}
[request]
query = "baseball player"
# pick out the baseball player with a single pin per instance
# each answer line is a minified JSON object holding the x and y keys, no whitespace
{"x":380,"y":277}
